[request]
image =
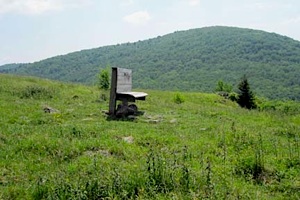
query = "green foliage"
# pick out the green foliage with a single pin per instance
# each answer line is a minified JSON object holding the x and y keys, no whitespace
{"x":223,"y":87}
{"x":103,"y":78}
{"x":286,"y":107}
{"x":250,"y":169}
{"x":161,"y":176}
{"x":192,"y":60}
{"x":233,"y":96}
{"x":178,"y":98}
{"x":35,"y":91}
{"x":245,"y":95}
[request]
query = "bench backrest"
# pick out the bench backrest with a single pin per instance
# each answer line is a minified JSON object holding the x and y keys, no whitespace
{"x":124,"y":80}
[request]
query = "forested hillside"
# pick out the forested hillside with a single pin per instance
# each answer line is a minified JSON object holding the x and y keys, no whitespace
{"x":192,"y":60}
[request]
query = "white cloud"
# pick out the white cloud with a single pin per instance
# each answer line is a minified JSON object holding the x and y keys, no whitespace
{"x":38,"y":6}
{"x":127,"y":2}
{"x":194,"y":2}
{"x":77,"y":3}
{"x":138,"y":18}
{"x":29,"y":6}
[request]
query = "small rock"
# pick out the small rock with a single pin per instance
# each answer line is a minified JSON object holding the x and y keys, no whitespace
{"x":48,"y":109}
{"x":154,"y":121}
{"x":131,"y":117}
{"x":124,"y":111}
{"x":104,"y":153}
{"x":128,"y":139}
{"x":173,"y":121}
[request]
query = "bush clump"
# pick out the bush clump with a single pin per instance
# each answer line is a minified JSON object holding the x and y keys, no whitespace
{"x":178,"y":98}
{"x":36,"y":92}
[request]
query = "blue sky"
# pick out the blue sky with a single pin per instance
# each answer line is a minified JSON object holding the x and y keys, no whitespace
{"x":32,"y":30}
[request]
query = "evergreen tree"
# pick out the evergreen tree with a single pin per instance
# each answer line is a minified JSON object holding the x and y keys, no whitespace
{"x":245,"y":95}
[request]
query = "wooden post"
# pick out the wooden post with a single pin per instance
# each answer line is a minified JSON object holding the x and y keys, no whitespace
{"x":113,"y":92}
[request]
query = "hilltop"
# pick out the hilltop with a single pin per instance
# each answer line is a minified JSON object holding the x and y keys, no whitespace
{"x":192,"y":60}
{"x":204,"y":147}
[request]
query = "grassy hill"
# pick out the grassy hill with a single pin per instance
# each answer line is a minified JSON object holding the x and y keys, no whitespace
{"x":193,"y":60}
{"x":205,"y":147}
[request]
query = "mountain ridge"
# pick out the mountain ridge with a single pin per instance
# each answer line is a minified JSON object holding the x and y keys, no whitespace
{"x":191,"y":60}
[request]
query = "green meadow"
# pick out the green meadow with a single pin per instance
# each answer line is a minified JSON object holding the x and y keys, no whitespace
{"x":183,"y":146}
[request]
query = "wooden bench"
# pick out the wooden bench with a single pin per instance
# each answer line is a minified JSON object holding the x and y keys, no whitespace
{"x":121,"y":86}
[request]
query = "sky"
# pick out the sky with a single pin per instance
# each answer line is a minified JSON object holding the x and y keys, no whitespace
{"x":33,"y":30}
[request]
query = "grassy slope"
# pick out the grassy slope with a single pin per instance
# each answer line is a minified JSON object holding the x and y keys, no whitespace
{"x":204,"y":147}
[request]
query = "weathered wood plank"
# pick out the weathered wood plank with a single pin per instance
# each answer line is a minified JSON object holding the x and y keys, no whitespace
{"x":124,"y":80}
{"x":135,"y":94}
{"x":113,"y":92}
{"x":123,"y":88}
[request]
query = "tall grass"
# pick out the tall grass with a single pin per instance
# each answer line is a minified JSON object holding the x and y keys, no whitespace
{"x":204,"y":148}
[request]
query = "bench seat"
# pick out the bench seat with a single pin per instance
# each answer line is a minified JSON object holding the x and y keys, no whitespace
{"x":136,"y":95}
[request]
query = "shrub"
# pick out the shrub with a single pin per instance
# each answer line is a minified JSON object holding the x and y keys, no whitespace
{"x":223,"y":87}
{"x":37,"y":92}
{"x":233,"y":96}
{"x":104,"y":83}
{"x":103,"y":78}
{"x":178,"y":98}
